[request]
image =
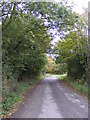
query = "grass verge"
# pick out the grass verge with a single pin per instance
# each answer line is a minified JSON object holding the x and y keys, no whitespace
{"x":61,"y":77}
{"x":17,"y":96}
{"x":80,"y":88}
{"x":13,"y":98}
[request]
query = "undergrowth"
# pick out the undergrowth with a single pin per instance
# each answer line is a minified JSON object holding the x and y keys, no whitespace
{"x":81,"y":88}
{"x":16,"y":95}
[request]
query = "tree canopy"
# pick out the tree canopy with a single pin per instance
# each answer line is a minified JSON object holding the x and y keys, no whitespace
{"x":27,"y":37}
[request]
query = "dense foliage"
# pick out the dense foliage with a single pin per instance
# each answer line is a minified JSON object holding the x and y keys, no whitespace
{"x":73,"y":52}
{"x":53,"y":68}
{"x":27,"y":36}
{"x":25,"y":42}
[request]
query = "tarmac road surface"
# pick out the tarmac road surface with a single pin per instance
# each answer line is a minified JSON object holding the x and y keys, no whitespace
{"x":52,"y":99}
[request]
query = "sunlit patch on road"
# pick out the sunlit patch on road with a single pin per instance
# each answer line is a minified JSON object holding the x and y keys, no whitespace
{"x":49,"y":108}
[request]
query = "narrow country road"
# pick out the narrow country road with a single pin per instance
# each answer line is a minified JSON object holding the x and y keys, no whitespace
{"x":51,"y":99}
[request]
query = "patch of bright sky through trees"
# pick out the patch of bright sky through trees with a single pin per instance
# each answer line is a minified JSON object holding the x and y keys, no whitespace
{"x":78,"y":7}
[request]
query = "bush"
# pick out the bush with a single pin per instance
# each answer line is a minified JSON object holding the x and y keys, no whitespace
{"x":61,"y":68}
{"x":75,"y":68}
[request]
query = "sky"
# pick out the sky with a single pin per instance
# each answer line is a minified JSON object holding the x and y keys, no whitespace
{"x":78,"y":8}
{"x":79,"y":5}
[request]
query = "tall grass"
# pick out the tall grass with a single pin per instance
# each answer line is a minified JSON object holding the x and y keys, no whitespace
{"x":81,"y":88}
{"x":16,"y":95}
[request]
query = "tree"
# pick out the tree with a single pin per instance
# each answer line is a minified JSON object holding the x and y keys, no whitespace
{"x":25,"y":41}
{"x":51,"y":65}
{"x":73,"y":51}
{"x":24,"y":34}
